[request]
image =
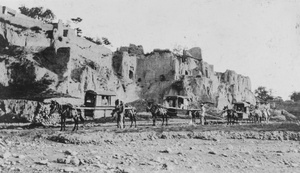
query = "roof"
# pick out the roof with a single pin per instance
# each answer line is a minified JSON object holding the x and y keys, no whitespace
{"x":244,"y":103}
{"x":102,"y":93}
{"x":176,"y":96}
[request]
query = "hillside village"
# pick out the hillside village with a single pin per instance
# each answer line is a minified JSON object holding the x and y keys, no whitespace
{"x":60,"y":108}
{"x":41,"y":61}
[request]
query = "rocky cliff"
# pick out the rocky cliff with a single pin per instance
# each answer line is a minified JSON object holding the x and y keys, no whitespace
{"x":48,"y":61}
{"x":163,"y":73}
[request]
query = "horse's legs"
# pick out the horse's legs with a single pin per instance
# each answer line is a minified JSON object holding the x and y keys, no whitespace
{"x":61,"y":122}
{"x":166,"y":119}
{"x":65,"y":123}
{"x":82,"y":119}
{"x":75,"y":124}
{"x":260,"y":119}
{"x":154,"y":119}
{"x":131,"y":120}
{"x":123,"y":121}
{"x":134,"y":117}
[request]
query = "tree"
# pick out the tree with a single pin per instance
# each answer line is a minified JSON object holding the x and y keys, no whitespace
{"x":295,"y":96}
{"x":38,"y":13}
{"x":76,"y":20}
{"x":94,"y":40}
{"x":105,"y":41}
{"x":262,"y":93}
{"x":278,"y":98}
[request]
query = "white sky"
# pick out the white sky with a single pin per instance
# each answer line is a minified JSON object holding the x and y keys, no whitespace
{"x":256,"y":38}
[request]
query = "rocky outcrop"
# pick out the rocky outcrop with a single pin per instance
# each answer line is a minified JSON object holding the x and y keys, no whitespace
{"x":36,"y":62}
{"x":45,"y":61}
{"x":163,"y":73}
{"x":12,"y":110}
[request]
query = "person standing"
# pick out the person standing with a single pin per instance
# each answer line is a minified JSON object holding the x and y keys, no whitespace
{"x":202,"y":115}
{"x":121,"y":118}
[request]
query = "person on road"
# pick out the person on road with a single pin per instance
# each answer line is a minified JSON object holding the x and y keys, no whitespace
{"x":202,"y":115}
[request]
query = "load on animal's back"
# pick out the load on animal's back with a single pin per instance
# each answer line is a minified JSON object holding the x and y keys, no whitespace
{"x":231,"y":114}
{"x":66,"y":111}
{"x":157,"y":111}
{"x":121,"y":111}
{"x":131,"y":113}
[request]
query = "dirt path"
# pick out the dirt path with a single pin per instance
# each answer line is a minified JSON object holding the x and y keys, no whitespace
{"x":177,"y":148}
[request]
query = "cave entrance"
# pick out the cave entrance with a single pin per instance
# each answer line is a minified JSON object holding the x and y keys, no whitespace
{"x":130,"y":74}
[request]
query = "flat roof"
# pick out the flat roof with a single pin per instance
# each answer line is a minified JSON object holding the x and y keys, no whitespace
{"x":244,"y":103}
{"x":102,"y":93}
{"x":170,"y":96}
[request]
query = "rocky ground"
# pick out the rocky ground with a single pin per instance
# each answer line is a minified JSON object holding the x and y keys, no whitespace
{"x":177,"y":148}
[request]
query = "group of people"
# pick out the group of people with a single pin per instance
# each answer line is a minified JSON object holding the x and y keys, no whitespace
{"x":120,"y":112}
{"x":200,"y":113}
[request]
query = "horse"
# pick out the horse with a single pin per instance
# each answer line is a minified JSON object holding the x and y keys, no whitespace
{"x":266,"y":115}
{"x":195,"y":114}
{"x":258,"y":115}
{"x":252,"y":117}
{"x":157,"y":111}
{"x":131,"y":113}
{"x":66,"y":111}
{"x":232,"y":116}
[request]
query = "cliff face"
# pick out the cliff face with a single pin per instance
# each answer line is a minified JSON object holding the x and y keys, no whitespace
{"x":41,"y":61}
{"x":163,"y":73}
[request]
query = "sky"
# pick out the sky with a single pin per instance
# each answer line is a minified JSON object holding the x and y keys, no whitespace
{"x":255,"y":38}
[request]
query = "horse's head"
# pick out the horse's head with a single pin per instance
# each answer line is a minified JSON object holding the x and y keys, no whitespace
{"x":226,"y":110}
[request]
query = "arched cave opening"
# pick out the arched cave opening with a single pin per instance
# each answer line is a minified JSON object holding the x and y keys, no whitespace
{"x":162,"y":77}
{"x":130,"y":74}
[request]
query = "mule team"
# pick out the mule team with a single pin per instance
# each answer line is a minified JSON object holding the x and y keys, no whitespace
{"x":120,"y":112}
{"x":256,"y":115}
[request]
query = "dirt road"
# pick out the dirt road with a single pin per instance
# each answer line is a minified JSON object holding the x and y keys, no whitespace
{"x":177,"y":148}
